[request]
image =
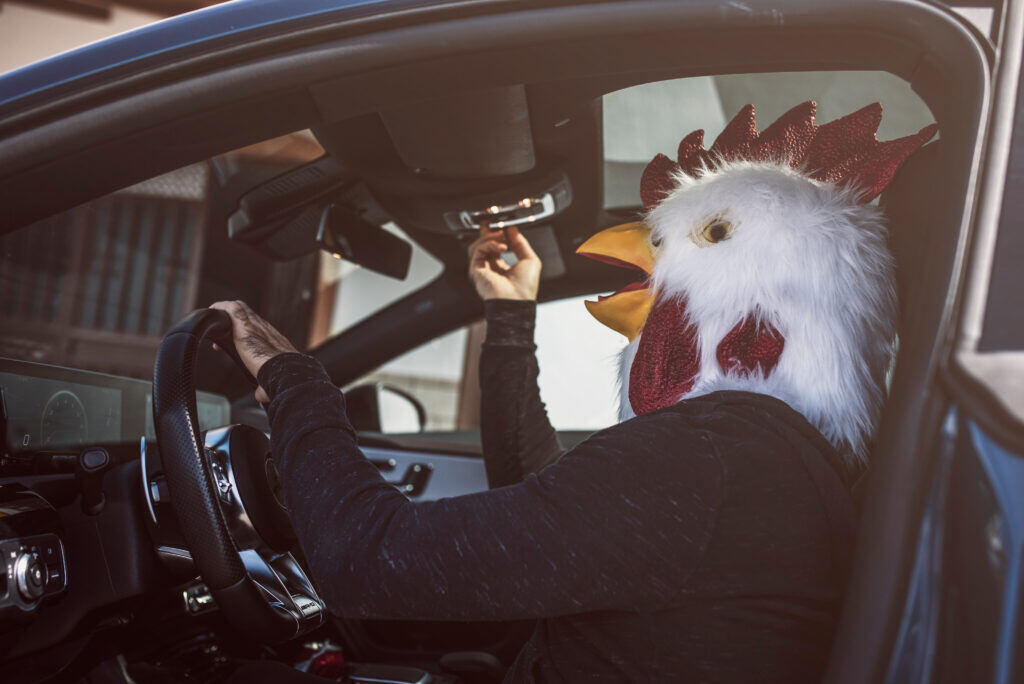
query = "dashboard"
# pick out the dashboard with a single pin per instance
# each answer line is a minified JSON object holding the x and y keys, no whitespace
{"x":53,"y":421}
{"x":48,"y":409}
{"x":64,"y":562}
{"x":53,"y":410}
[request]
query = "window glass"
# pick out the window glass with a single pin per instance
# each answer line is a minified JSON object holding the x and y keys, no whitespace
{"x":981,"y":17}
{"x":433,"y":373}
{"x":97,"y":286}
{"x":641,"y":121}
{"x":1003,"y":324}
{"x":577,"y":356}
{"x":579,"y":366}
{"x":358,"y":293}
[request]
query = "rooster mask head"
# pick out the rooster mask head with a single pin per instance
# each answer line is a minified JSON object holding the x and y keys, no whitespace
{"x":764,"y":268}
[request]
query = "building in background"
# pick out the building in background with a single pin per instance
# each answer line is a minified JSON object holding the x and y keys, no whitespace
{"x":31,"y":30}
{"x":120,"y":270}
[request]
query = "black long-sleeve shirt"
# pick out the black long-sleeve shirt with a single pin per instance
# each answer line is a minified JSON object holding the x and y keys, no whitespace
{"x":707,"y":541}
{"x":515,"y":433}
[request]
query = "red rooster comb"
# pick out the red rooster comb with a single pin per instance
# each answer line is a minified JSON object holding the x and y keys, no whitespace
{"x":841,"y":151}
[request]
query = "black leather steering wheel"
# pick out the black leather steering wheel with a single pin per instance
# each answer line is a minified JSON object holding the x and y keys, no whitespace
{"x":226,"y":497}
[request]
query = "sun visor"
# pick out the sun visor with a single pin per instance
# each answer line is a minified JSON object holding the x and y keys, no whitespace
{"x":485,"y":133}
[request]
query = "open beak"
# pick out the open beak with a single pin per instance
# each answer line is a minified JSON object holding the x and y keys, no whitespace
{"x":628,"y":246}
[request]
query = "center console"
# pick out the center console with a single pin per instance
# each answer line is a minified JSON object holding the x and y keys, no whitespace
{"x":33,"y":566}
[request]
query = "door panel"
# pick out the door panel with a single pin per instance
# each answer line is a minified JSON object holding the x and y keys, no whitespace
{"x":980,"y":625}
{"x":962,"y":618}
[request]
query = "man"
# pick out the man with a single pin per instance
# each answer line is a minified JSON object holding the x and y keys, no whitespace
{"x":672,"y":547}
{"x":706,"y":537}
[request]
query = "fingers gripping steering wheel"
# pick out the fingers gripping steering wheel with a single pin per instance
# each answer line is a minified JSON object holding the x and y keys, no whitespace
{"x":225,"y":493}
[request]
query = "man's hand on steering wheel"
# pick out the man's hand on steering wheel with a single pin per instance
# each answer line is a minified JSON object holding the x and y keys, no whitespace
{"x":256,"y":341}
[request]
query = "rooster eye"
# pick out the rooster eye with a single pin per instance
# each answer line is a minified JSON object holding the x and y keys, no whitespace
{"x":716,"y":230}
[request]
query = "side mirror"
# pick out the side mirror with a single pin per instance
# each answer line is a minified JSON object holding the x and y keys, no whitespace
{"x":377,"y":407}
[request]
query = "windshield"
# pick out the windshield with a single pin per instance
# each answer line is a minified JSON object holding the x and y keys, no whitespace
{"x":96,"y":287}
{"x":652,"y":118}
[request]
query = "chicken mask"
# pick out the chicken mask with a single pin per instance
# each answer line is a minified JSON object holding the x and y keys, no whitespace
{"x":765,"y":269}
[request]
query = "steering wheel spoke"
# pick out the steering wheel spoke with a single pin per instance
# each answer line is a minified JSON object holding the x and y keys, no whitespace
{"x":280,"y":575}
{"x":285,"y":585}
{"x":294,"y":576}
{"x":238,"y":459}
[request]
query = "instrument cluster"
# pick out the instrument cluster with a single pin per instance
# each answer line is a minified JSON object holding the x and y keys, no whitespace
{"x":53,"y":410}
{"x":58,"y":415}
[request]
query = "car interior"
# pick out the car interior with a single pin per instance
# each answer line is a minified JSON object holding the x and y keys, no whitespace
{"x":421,"y":126}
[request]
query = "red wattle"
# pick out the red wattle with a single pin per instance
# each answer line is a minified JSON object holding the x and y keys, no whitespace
{"x":666,"y":363}
{"x":749,"y":346}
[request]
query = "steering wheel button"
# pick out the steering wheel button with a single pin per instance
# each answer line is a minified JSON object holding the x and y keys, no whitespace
{"x":306,"y":605}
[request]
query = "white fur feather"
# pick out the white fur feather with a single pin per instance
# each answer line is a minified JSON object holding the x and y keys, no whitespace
{"x":812,"y":261}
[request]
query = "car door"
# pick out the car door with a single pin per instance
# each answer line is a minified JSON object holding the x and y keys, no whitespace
{"x":960,"y":619}
{"x":979,"y":632}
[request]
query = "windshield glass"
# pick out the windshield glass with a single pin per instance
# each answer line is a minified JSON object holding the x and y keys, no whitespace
{"x":652,"y":118}
{"x":577,"y":356}
{"x":96,"y":287}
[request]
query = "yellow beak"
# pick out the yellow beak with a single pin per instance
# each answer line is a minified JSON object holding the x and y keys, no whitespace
{"x":628,"y":246}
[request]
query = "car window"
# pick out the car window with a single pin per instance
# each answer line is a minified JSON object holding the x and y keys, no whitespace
{"x":577,"y":356}
{"x":96,"y":287}
{"x":356,"y":293}
{"x":641,"y":121}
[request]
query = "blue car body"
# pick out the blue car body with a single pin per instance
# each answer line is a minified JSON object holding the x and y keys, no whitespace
{"x":179,"y":37}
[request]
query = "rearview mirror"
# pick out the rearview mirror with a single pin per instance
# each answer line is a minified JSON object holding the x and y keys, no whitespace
{"x":344,"y":234}
{"x":319,"y":205}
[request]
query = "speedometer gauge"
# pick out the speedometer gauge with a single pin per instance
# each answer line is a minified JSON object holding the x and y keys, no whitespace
{"x":64,"y":423}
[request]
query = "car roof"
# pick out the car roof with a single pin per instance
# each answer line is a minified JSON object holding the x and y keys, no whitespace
{"x":231,"y":22}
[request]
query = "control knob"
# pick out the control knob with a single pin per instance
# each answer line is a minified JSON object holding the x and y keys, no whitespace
{"x":29,"y":576}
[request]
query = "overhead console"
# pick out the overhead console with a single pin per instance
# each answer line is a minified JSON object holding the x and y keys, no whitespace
{"x":448,"y":164}
{"x":438,"y":167}
{"x":476,"y":134}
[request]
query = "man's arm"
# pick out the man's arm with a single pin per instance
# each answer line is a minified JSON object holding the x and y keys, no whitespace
{"x":616,"y":523}
{"x":515,"y":432}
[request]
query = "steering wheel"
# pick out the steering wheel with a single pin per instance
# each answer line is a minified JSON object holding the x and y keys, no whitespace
{"x":226,"y":495}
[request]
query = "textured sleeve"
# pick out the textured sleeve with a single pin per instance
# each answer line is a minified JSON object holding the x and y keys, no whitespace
{"x":616,"y":523}
{"x":515,"y":432}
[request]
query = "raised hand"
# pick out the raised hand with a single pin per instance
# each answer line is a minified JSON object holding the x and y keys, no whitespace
{"x":495,"y":279}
